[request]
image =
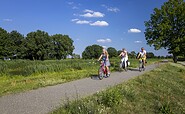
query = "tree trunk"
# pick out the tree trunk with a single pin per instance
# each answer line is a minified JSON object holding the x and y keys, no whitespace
{"x":174,"y":58}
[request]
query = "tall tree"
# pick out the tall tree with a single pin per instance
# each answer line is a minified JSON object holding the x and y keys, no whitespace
{"x":62,"y":46}
{"x":150,"y":55}
{"x":112,"y":52}
{"x":16,"y":44}
{"x":38,"y":45}
{"x":4,"y":42}
{"x":92,"y":52}
{"x":132,"y":54}
{"x":166,"y":28}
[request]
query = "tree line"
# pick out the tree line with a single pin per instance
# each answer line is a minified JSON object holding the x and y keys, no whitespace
{"x":94,"y":51}
{"x":37,"y":45}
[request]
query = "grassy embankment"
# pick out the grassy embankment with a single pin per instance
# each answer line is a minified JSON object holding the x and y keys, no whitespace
{"x":21,"y":75}
{"x":160,"y":91}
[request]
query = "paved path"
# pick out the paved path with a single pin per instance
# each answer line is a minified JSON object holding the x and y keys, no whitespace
{"x":44,"y":100}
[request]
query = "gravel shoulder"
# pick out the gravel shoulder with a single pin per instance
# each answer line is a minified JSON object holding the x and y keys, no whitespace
{"x":44,"y":100}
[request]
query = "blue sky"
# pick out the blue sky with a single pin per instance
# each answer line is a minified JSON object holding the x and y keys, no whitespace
{"x":109,"y":23}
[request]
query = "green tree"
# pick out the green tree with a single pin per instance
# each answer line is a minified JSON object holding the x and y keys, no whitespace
{"x":75,"y":56}
{"x":62,"y":46}
{"x":150,"y":55}
{"x":16,"y":47}
{"x":132,"y":54}
{"x":166,"y":28}
{"x":112,"y":52}
{"x":4,"y":43}
{"x":92,"y":52}
{"x":38,"y":45}
{"x":119,"y":51}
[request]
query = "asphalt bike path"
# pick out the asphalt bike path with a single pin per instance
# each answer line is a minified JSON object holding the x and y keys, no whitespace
{"x":44,"y":100}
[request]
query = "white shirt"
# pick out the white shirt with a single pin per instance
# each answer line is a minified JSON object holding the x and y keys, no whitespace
{"x":142,"y":53}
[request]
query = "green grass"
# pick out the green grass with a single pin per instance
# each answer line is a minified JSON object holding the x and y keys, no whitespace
{"x":159,"y":91}
{"x":22,"y":75}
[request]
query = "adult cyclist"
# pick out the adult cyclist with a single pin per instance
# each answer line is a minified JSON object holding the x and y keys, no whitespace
{"x":124,"y":57}
{"x":142,"y":56}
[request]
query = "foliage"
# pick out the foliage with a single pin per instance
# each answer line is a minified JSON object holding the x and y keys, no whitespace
{"x":92,"y":52}
{"x":112,"y":52}
{"x":63,"y":46}
{"x":132,"y":54}
{"x":37,"y":45}
{"x":166,"y":28}
{"x":4,"y":45}
{"x":150,"y":55}
{"x":16,"y":44}
{"x":158,"y":91}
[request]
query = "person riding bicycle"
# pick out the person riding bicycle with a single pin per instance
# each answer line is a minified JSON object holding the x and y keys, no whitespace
{"x":105,"y":59}
{"x":142,"y":56}
{"x":124,"y":57}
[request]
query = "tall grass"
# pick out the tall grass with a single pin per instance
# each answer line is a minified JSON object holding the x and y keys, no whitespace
{"x":160,"y":91}
{"x":21,"y":75}
{"x":26,"y":68}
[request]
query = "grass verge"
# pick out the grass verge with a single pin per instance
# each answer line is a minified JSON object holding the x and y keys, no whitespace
{"x":159,"y":91}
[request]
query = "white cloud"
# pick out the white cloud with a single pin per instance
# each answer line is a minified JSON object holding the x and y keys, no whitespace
{"x":87,"y":10}
{"x":111,"y":9}
{"x":77,"y":21}
{"x":74,"y":20}
{"x":104,"y":40}
{"x":91,"y":13}
{"x":99,"y":23}
{"x":73,"y":5}
{"x":137,"y":42}
{"x":82,"y":22}
{"x":8,"y":20}
{"x":105,"y":47}
{"x":134,"y":31}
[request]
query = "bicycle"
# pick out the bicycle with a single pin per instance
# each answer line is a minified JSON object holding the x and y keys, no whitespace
{"x":102,"y":71}
{"x":141,"y":65}
{"x":123,"y":66}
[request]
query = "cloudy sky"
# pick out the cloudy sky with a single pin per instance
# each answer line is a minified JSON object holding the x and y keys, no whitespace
{"x":109,"y":23}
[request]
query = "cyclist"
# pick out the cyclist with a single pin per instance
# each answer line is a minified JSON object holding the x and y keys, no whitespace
{"x":105,"y":58}
{"x":124,"y":57}
{"x":142,"y":56}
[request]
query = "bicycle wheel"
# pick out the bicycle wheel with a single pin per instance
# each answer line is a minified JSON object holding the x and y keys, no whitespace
{"x":140,"y":65}
{"x":100,"y":73}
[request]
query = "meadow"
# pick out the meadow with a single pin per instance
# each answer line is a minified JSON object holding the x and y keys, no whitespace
{"x":160,"y":91}
{"x":22,"y":75}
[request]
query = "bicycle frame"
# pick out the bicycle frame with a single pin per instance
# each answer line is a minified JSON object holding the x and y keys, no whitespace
{"x":102,"y":71}
{"x":141,"y":65}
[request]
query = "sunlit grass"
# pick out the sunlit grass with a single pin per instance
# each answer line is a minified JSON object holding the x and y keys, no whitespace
{"x":21,"y":75}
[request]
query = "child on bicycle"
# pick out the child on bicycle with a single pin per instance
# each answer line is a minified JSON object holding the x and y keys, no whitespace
{"x":124,"y":57}
{"x":142,"y":56}
{"x":105,"y":59}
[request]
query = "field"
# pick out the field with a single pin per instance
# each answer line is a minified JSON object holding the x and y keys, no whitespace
{"x":21,"y":75}
{"x":159,"y":91}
